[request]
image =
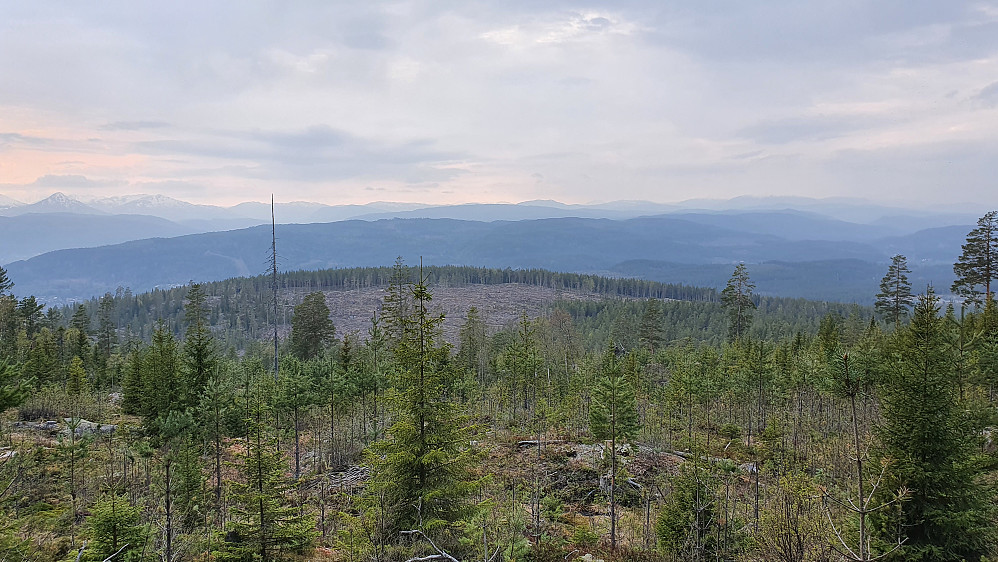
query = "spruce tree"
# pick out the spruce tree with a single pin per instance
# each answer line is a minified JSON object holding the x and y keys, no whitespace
{"x":42,"y":363}
{"x":422,"y":469}
{"x":162,"y":388}
{"x":199,"y":346}
{"x":613,"y":417}
{"x":13,"y":387}
{"x":650,"y":333}
{"x":133,"y":387}
{"x":76,"y":380}
{"x":116,"y":530}
{"x":930,"y":438}
{"x":266,"y":524}
{"x":107,"y":334}
{"x":977,"y":266}
{"x":895,"y":298}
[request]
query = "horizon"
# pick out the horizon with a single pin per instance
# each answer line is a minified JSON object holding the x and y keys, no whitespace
{"x":955,"y":207}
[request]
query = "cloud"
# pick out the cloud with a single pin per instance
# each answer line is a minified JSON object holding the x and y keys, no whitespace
{"x":18,"y":139}
{"x":67,"y":181}
{"x":806,"y":128}
{"x":314,"y":154}
{"x":633,"y":99}
{"x":988,"y":95}
{"x":134,"y":125}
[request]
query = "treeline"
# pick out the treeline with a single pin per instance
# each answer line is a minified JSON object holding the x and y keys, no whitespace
{"x":242,"y":309}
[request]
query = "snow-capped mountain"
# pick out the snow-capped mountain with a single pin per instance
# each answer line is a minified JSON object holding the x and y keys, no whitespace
{"x":161,"y":206}
{"x":8,"y":202}
{"x":58,"y":202}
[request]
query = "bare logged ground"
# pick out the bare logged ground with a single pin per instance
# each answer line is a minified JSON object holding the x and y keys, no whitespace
{"x":498,"y":305}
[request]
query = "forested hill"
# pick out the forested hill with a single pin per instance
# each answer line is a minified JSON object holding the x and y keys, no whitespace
{"x":662,"y":248}
{"x":242,"y":312}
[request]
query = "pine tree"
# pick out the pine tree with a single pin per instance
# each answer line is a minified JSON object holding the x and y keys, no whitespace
{"x":977,"y":266}
{"x":5,"y":283}
{"x":931,"y":438}
{"x":613,"y":416}
{"x":737,"y":300}
{"x":311,"y":328}
{"x":895,"y":298}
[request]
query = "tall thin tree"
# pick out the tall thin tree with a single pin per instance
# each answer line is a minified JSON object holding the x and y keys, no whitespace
{"x":737,"y":300}
{"x":273,"y":276}
{"x":895,"y":298}
{"x":977,"y":266}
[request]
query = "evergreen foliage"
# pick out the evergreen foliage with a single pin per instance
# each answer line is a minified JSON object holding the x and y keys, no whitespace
{"x":311,"y":329}
{"x":895,"y":298}
{"x":13,"y":388}
{"x":162,"y":385}
{"x":422,"y":468}
{"x":613,"y":417}
{"x":230,"y":464}
{"x":115,"y":527}
{"x":5,"y":283}
{"x":930,"y":438}
{"x":76,"y":379}
{"x":977,"y":266}
{"x":737,"y":301}
{"x":200,"y":360}
{"x":267,"y":521}
{"x":687,"y":523}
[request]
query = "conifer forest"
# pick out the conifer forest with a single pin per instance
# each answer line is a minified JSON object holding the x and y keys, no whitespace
{"x":622,"y":420}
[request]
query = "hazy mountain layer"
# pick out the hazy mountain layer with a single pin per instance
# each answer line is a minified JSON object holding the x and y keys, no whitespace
{"x":648,"y":247}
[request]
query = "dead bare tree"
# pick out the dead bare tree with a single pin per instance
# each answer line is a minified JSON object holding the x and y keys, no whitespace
{"x":864,"y":505}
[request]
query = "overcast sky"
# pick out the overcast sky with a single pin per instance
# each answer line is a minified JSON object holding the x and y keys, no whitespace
{"x":449,"y":102}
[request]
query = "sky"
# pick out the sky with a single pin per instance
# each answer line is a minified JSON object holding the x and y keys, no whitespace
{"x":454,"y":102}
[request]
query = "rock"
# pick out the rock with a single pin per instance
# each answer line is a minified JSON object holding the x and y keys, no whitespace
{"x":114,"y":397}
{"x":989,"y":439}
{"x":48,"y":425}
{"x":749,"y":467}
{"x":85,"y":428}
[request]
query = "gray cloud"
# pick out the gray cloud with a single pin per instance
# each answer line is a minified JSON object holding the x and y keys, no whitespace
{"x":988,"y":95}
{"x":134,"y":125}
{"x":67,"y":181}
{"x":810,"y":128}
{"x":317,"y":153}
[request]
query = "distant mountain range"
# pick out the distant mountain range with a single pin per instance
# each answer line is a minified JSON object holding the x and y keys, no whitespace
{"x":660,"y":248}
{"x":63,"y":249}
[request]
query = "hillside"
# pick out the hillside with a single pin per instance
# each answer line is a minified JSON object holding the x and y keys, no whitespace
{"x":663,"y":248}
{"x":242,"y":307}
